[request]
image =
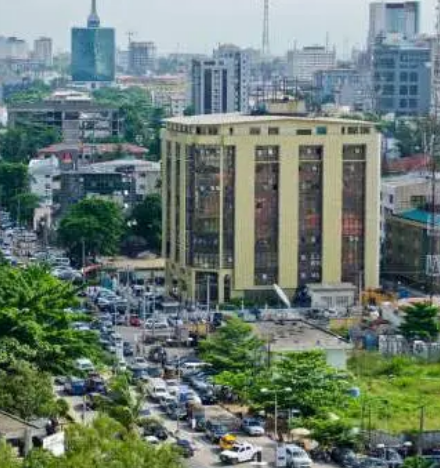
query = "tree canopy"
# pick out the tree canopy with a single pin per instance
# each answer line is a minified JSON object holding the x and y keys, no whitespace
{"x":26,"y":391}
{"x":421,"y":321}
{"x":34,"y":326}
{"x":148,"y":221}
{"x":233,"y":348}
{"x":19,"y":145}
{"x":14,"y":180}
{"x":97,"y":223}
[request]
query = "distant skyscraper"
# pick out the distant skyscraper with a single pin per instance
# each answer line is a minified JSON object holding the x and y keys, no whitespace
{"x":401,"y":18}
{"x":241,"y":62}
{"x":302,"y":64}
{"x":93,"y":51}
{"x":43,"y":51}
{"x":142,"y":57}
{"x":221,"y":84}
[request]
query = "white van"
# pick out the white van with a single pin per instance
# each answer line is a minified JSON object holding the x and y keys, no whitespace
{"x":157,"y":388}
{"x":84,"y":365}
{"x":189,"y":367}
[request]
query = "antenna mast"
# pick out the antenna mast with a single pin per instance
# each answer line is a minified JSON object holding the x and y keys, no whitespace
{"x":266,"y":43}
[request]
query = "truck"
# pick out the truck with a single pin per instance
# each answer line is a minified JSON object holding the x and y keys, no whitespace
{"x":241,"y":453}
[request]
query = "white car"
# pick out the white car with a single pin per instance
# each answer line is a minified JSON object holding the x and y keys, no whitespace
{"x":240,"y":453}
{"x":253,"y":427}
{"x":297,"y":457}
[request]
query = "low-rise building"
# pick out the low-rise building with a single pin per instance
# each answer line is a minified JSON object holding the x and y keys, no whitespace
{"x":44,"y":179}
{"x":332,"y":296}
{"x":412,"y":248}
{"x":300,"y":336}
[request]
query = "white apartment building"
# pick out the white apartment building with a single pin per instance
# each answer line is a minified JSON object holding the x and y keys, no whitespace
{"x":44,"y":177}
{"x":43,"y":51}
{"x":304,"y":63}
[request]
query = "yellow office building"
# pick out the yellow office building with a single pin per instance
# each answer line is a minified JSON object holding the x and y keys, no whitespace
{"x":250,"y":201}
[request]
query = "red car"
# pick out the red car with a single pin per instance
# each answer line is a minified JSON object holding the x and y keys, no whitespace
{"x":135,"y":321}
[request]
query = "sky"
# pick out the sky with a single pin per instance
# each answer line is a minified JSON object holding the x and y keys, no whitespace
{"x":199,"y":25}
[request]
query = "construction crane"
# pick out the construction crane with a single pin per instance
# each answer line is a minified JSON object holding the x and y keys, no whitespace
{"x":130,"y":35}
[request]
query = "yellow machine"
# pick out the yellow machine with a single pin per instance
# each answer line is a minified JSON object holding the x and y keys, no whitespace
{"x":227,"y":441}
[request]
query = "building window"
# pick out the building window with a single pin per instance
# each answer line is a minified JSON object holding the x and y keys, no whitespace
{"x":255,"y":131}
{"x":403,"y":103}
{"x":321,"y":130}
{"x":231,"y":130}
{"x":304,"y":131}
{"x":413,"y":77}
{"x":274,"y":131}
{"x":310,"y":215}
{"x":352,"y":130}
{"x":266,"y":215}
{"x":203,"y":206}
{"x":403,"y":90}
{"x":365,"y":130}
{"x":353,"y":213}
{"x":228,"y":206}
{"x":403,"y":76}
{"x":177,"y":228}
{"x":413,"y":90}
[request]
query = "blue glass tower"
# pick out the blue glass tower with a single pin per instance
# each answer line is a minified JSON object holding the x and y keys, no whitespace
{"x":93,"y":51}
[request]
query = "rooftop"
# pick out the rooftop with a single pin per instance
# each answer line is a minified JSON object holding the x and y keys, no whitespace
{"x":331,"y":287}
{"x":299,"y":335}
{"x":11,"y":425}
{"x":237,"y":118}
{"x":405,"y":180}
{"x":419,"y":216}
{"x":98,"y":148}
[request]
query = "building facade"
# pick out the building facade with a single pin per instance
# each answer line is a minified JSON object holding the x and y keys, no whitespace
{"x":77,"y":120}
{"x":142,"y":57}
{"x":402,"y":78}
{"x":43,"y":51}
{"x":407,"y":246}
{"x":250,"y":201}
{"x":241,"y":60}
{"x":396,"y":18}
{"x":221,"y":84}
{"x":303,"y":63}
{"x":93,"y":52}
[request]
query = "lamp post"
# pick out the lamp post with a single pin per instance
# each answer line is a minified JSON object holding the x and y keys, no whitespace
{"x":275,"y":393}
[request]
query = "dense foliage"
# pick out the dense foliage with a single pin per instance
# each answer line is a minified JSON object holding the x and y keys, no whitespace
{"x":34,"y":326}
{"x":148,"y":221}
{"x":421,"y":322}
{"x":143,"y":121}
{"x":19,"y":145}
{"x":34,"y":93}
{"x":94,"y":223}
{"x":104,"y":444}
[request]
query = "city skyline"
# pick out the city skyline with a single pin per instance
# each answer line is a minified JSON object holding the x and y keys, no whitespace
{"x":147,"y":21}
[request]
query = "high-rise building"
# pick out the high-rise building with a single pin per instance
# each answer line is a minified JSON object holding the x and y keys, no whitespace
{"x":43,"y":51}
{"x":142,"y":57}
{"x":242,"y":73}
{"x":401,"y":18}
{"x":303,"y":63}
{"x":93,"y":51}
{"x":402,"y":77}
{"x":253,"y":201}
{"x":221,"y":84}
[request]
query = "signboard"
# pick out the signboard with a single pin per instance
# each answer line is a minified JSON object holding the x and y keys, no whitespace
{"x":55,"y":443}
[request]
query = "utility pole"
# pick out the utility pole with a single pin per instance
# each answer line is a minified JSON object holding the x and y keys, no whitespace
{"x":83,"y":253}
{"x":421,"y":430}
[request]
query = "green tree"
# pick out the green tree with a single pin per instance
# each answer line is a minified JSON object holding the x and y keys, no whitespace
{"x":315,"y":387}
{"x":8,"y":459}
{"x":14,"y":180}
{"x":97,"y":223}
{"x":420,"y":322}
{"x":148,"y":221}
{"x":35,"y":93}
{"x":333,"y":433}
{"x":19,"y":145}
{"x":418,"y":462}
{"x":34,"y":326}
{"x":26,"y":392}
{"x":233,"y":348}
{"x":23,"y":207}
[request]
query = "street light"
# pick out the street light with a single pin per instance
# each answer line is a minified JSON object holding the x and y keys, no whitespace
{"x":276,"y":392}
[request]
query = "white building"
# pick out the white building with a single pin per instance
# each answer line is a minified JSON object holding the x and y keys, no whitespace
{"x":44,"y":174}
{"x":43,"y":51}
{"x":396,"y":18}
{"x":304,"y":63}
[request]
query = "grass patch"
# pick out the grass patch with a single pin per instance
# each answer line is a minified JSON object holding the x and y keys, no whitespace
{"x":395,"y":389}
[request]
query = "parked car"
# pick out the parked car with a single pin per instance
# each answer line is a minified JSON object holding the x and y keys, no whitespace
{"x":135,"y":321}
{"x":253,"y":427}
{"x":155,"y":429}
{"x":297,"y":457}
{"x":241,"y":453}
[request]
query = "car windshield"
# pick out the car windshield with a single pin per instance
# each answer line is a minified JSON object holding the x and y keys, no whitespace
{"x":236,"y":448}
{"x":253,"y":423}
